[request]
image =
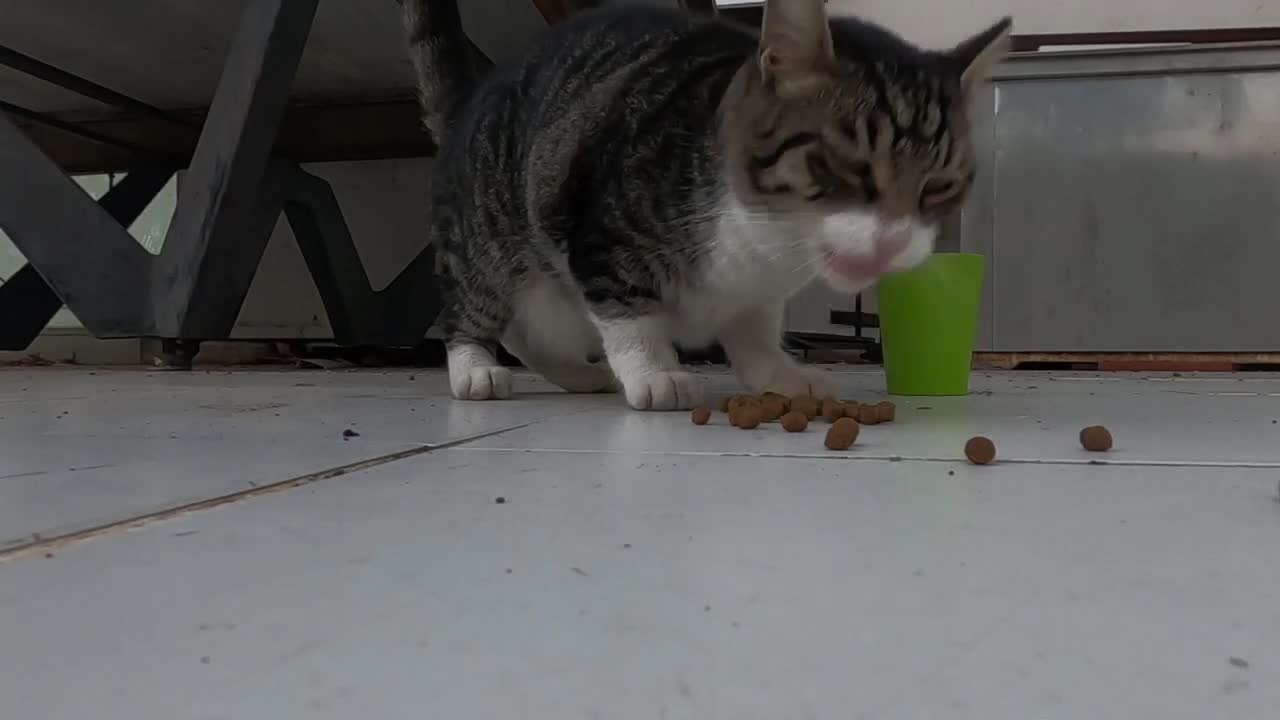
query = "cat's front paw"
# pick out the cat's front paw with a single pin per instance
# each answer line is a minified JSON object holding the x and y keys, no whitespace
{"x":791,"y":381}
{"x":480,"y":383}
{"x":663,"y":390}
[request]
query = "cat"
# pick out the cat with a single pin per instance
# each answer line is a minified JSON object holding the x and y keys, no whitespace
{"x":643,"y":178}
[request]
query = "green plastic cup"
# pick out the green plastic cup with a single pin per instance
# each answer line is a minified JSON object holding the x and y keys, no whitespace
{"x":928,"y":320}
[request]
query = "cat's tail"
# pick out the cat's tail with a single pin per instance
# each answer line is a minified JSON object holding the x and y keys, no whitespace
{"x":448,"y":65}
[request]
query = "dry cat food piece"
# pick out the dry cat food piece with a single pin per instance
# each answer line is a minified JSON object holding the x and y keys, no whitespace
{"x":1096,"y":438}
{"x":795,"y":421}
{"x":772,"y":408}
{"x":748,"y":417}
{"x":842,"y":434}
{"x":807,"y":405}
{"x":980,"y":450}
{"x":868,"y":414}
{"x":886,"y":410}
{"x":701,"y":416}
{"x":739,"y":404}
{"x":832,"y":409}
{"x":777,"y":397}
{"x":724,"y":403}
{"x":851,"y":408}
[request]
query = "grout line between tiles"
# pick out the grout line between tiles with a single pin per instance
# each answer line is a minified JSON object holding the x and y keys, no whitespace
{"x":39,"y":543}
{"x":1224,"y":464}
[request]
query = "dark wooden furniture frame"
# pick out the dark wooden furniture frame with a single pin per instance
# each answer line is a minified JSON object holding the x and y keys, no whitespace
{"x":80,"y":253}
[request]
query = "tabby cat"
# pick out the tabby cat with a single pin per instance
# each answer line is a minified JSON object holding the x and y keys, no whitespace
{"x":643,"y":178}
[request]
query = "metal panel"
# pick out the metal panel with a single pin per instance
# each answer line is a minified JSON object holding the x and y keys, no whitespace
{"x":977,"y":218}
{"x":1133,"y":205}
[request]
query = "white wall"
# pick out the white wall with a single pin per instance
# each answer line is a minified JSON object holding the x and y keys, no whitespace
{"x":384,"y":203}
{"x":943,"y":22}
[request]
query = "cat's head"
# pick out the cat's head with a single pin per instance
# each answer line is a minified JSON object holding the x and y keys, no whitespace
{"x":843,"y":126}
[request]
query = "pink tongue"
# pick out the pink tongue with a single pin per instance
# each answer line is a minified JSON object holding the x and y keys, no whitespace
{"x":858,"y":265}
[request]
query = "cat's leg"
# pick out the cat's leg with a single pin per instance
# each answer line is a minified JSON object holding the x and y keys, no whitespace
{"x":474,"y":371}
{"x":474,"y":317}
{"x":753,"y":342}
{"x":643,"y":356}
{"x":553,"y":336}
{"x":576,"y":375}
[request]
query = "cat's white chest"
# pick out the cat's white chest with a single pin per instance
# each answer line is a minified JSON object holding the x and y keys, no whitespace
{"x":751,"y":264}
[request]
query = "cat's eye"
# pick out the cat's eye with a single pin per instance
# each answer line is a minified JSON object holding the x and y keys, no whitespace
{"x":827,"y":182}
{"x":937,"y":190}
{"x":830,"y":189}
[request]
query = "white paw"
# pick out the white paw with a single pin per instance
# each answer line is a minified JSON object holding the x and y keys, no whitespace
{"x":480,"y":383}
{"x":791,"y":381}
{"x":663,"y":391}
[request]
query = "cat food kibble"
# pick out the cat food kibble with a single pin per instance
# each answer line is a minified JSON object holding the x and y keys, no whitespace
{"x":851,"y":408}
{"x":832,"y":409}
{"x":777,"y":397}
{"x":886,"y":411}
{"x":980,"y":450}
{"x":868,"y":414}
{"x":1096,"y":438}
{"x":842,"y":434}
{"x":701,"y":416}
{"x":772,"y":407}
{"x":724,"y":403}
{"x":738,"y":404}
{"x":795,"y":421}
{"x":807,"y":405}
{"x":748,"y":417}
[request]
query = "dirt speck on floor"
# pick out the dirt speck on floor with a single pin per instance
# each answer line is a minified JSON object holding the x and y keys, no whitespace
{"x":1238,"y":662}
{"x":1233,"y":687}
{"x":349,"y":433}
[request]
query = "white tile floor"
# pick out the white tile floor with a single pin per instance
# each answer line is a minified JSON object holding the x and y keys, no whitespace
{"x":640,"y":567}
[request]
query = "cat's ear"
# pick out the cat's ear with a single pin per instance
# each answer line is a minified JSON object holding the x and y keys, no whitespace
{"x":976,"y":57}
{"x":795,"y":45}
